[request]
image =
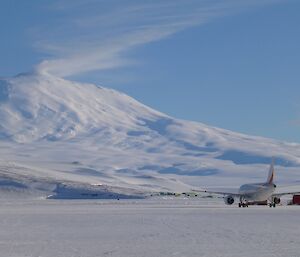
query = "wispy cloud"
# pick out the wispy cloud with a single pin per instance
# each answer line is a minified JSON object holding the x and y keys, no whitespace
{"x":97,"y":35}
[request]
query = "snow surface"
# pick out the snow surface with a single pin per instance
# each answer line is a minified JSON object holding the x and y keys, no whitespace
{"x":77,"y":140}
{"x":156,"y":227}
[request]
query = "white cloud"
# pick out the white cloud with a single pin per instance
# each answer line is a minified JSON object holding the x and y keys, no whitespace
{"x":94,"y":35}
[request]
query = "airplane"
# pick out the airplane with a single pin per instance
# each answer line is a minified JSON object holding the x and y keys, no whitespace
{"x":254,"y":193}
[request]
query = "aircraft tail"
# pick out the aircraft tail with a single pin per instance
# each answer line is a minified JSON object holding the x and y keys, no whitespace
{"x":271,"y":173}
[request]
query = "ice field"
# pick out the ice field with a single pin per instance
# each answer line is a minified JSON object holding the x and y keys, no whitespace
{"x":148,"y":228}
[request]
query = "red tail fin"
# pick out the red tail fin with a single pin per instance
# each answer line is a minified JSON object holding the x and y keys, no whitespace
{"x":271,"y":173}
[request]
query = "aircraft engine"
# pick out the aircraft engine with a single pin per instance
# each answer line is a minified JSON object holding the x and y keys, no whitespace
{"x":276,"y":200}
{"x":229,"y":200}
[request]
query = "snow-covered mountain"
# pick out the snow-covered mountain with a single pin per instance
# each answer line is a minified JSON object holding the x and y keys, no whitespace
{"x":54,"y":132}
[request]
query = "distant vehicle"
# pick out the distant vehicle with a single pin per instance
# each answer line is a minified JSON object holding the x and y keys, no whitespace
{"x":296,"y":200}
{"x":251,"y":193}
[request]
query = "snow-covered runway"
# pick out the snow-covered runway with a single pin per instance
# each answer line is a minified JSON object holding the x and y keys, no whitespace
{"x":155,"y":227}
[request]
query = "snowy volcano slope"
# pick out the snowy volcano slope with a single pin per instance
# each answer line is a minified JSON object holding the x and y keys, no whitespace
{"x":55,"y":131}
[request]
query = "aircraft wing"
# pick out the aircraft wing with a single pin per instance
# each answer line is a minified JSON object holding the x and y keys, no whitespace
{"x":287,"y":190}
{"x":286,"y":193}
{"x":225,"y":191}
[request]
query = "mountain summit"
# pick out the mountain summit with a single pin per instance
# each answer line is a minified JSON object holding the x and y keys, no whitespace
{"x":77,"y":132}
{"x":42,"y":107}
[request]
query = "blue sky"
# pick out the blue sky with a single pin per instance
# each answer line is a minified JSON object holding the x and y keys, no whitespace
{"x":228,"y":63}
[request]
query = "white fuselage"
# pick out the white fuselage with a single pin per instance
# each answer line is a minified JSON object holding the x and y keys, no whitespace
{"x":257,"y":192}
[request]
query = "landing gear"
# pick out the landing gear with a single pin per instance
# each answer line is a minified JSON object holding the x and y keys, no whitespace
{"x":273,"y":202}
{"x":243,"y":203}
